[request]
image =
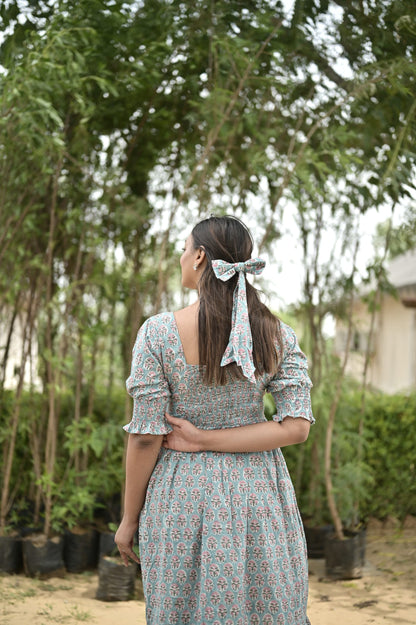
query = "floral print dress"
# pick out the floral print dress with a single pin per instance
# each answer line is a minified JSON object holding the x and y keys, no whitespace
{"x":220,"y":536}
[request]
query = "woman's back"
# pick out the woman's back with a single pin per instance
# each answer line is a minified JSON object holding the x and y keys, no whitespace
{"x":220,"y":534}
{"x":176,"y":385}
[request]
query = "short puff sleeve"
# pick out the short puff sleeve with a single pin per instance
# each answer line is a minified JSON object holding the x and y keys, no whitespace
{"x":147,"y":383}
{"x":290,"y":387}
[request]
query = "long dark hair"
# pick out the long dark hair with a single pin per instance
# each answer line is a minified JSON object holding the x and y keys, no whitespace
{"x":227,"y":238}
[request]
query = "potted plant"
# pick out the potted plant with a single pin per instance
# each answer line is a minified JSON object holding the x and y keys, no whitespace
{"x":347,"y":481}
{"x":43,"y":548}
{"x":312,"y":494}
{"x":15,"y":482}
{"x":10,"y":409}
{"x":80,"y":536}
{"x":88,"y":489}
{"x":43,"y":544}
{"x":349,"y":546}
{"x":116,"y":582}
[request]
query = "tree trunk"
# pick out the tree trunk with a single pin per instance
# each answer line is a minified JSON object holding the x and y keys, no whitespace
{"x":367,"y":358}
{"x":315,"y":499}
{"x":10,"y":444}
{"x":77,"y":407}
{"x":331,"y":418}
{"x":52,"y":427}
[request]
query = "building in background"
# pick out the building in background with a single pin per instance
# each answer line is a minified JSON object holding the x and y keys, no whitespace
{"x":17,"y":347}
{"x":392,"y":366}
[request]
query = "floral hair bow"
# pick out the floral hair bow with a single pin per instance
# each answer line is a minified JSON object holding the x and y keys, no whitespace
{"x":240,"y":344}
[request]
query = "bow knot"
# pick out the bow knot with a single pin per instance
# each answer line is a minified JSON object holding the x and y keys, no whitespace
{"x":224,"y":271}
{"x":240,"y":344}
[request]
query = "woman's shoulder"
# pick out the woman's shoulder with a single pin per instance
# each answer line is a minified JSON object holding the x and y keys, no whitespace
{"x":158,"y":324}
{"x":160,"y":318}
{"x":288,"y":335}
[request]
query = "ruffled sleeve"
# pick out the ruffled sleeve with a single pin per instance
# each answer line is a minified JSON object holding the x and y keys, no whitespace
{"x":147,"y":383}
{"x":291,"y":386}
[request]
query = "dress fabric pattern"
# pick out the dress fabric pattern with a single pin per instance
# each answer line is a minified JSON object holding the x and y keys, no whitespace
{"x":220,"y":536}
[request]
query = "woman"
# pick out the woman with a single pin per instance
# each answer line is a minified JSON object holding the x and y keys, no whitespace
{"x":220,"y":536}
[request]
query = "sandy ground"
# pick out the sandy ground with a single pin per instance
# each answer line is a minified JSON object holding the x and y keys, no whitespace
{"x":385,"y":595}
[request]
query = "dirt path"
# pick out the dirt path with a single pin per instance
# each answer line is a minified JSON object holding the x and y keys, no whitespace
{"x":386,"y":595}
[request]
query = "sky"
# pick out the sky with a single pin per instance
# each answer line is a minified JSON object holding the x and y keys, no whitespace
{"x":281,"y":281}
{"x":283,"y":277}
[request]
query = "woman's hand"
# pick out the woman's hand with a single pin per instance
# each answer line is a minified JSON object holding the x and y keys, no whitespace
{"x":124,"y":540}
{"x":184,"y":436}
{"x":261,"y":436}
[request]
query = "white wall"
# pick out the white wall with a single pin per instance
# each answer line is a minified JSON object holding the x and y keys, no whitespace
{"x":15,"y":353}
{"x":393,"y":362}
{"x":393,"y":368}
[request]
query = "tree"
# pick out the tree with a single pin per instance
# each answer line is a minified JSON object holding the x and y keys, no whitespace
{"x":121,"y":121}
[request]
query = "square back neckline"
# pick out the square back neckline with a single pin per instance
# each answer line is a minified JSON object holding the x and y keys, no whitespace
{"x":182,"y":351}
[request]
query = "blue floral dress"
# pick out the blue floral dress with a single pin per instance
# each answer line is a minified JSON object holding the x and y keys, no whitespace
{"x":220,"y":536}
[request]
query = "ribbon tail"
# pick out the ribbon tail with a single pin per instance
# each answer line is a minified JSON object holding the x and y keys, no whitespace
{"x":239,"y":348}
{"x":247,"y":366}
{"x":230,"y":354}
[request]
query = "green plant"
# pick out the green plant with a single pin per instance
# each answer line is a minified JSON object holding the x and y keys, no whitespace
{"x":384,"y":479}
{"x":80,"y":615}
{"x":389,"y":452}
{"x":352,"y":477}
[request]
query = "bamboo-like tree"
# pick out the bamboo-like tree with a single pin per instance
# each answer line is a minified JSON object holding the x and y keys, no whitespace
{"x":119,"y":123}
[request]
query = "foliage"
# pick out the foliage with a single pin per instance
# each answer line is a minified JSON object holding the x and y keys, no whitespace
{"x":384,"y":480}
{"x":120,"y":122}
{"x":391,"y":441}
{"x":80,"y":496}
{"x":403,"y":237}
{"x":306,"y":463}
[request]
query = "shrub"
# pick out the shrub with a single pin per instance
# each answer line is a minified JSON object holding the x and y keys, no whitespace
{"x":380,"y":483}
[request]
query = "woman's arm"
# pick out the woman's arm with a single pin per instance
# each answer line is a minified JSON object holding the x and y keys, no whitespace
{"x":141,"y":457}
{"x":263,"y":436}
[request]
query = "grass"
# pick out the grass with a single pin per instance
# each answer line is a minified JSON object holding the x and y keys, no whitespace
{"x":13,"y":593}
{"x":74,"y":614}
{"x":80,"y":615}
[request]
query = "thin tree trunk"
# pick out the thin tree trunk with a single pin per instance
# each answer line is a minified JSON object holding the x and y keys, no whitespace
{"x":10,"y":444}
{"x":367,"y":359}
{"x":112,"y":350}
{"x":51,"y":435}
{"x":331,"y":418}
{"x":315,"y":498}
{"x":127,"y":412}
{"x":112,"y":347}
{"x":203,"y":160}
{"x":36,"y":435}
{"x":91,"y":388}
{"x":77,"y":407}
{"x":52,"y":427}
